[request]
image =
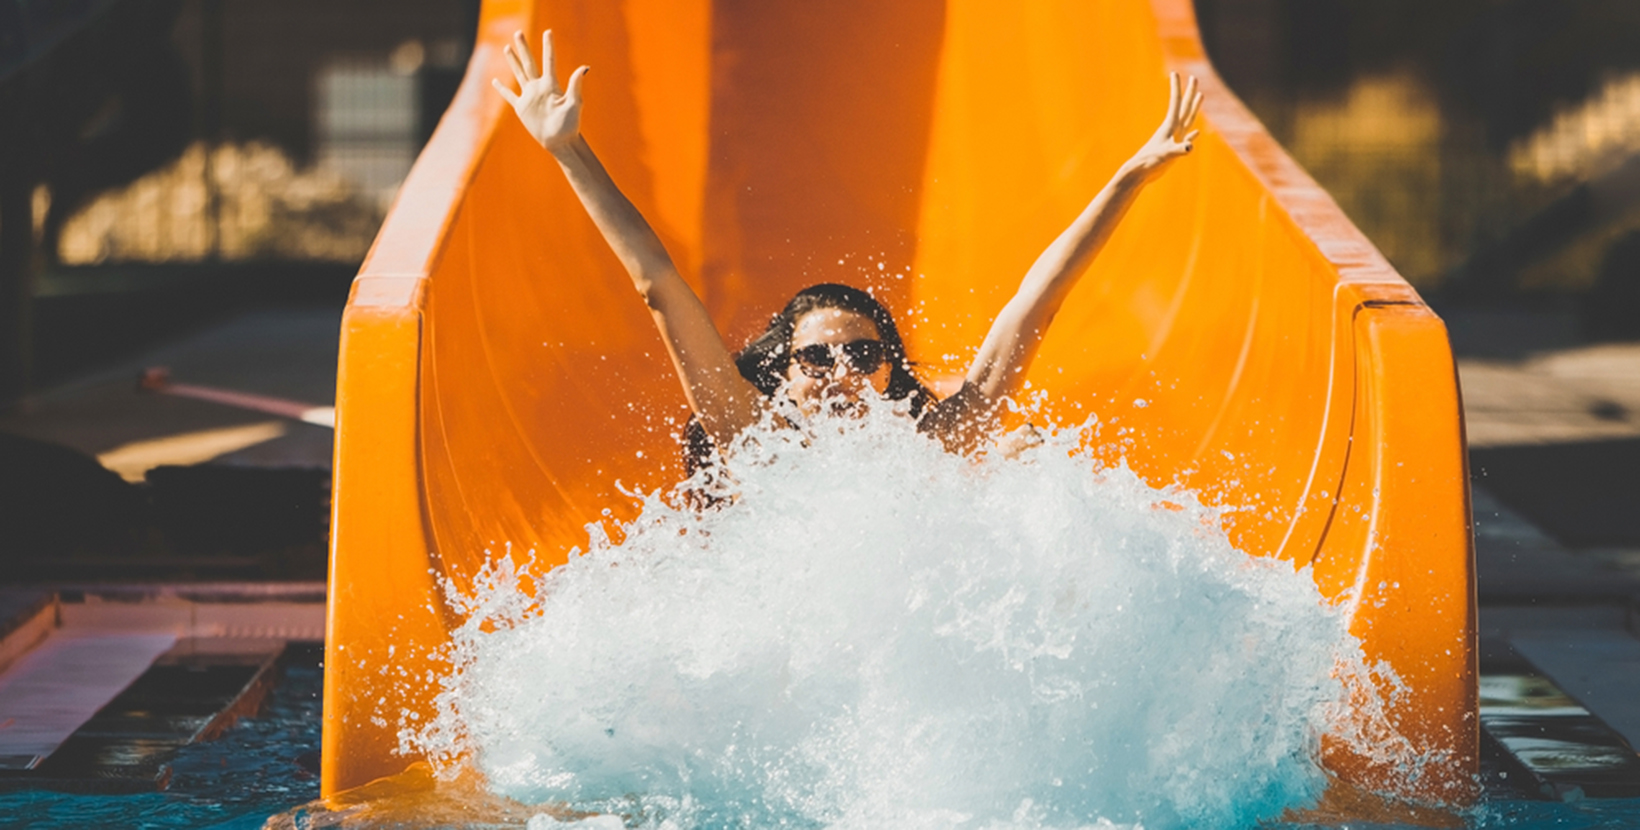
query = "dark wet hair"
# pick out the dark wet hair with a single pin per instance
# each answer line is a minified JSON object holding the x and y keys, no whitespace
{"x":767,"y":358}
{"x":765,"y":361}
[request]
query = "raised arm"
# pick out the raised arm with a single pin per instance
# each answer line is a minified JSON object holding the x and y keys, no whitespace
{"x":999,"y":369}
{"x":725,"y":402}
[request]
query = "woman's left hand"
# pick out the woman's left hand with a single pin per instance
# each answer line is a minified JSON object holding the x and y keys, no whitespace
{"x":552,"y":115}
{"x":1171,"y":139}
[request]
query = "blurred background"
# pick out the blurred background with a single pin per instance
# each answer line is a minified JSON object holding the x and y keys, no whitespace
{"x":213,"y":142}
{"x":1491,"y":149}
{"x":1487,"y":146}
{"x":190,"y":184}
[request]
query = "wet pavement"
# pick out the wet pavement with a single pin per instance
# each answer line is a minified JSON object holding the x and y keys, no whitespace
{"x":209,"y":491}
{"x":284,"y":353}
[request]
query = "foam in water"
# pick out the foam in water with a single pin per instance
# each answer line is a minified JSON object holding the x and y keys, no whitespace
{"x":877,"y":633}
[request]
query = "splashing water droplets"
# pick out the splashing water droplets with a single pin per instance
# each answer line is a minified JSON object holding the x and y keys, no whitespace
{"x":874,"y":633}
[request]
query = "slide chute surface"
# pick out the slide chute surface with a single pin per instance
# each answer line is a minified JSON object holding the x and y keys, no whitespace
{"x":499,"y":375}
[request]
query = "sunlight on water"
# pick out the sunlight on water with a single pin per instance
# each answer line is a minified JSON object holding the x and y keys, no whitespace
{"x":878,"y":633}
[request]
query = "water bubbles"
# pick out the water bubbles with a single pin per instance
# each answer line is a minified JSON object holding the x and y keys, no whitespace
{"x":876,"y":633}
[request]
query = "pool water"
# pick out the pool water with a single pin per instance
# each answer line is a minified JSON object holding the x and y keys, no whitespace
{"x":1623,"y":814}
{"x":253,"y":770}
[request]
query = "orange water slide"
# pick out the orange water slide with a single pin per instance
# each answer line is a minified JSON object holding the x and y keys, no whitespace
{"x":499,"y":376}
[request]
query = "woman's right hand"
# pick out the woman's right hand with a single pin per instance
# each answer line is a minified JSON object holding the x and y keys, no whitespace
{"x":551,"y":115}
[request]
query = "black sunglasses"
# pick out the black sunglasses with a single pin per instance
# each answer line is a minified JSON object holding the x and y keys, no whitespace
{"x":817,"y":360}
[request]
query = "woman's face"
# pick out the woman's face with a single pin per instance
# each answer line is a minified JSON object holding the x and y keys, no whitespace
{"x":828,"y":333}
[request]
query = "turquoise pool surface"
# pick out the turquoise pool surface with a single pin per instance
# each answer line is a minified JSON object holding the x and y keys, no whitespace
{"x":236,"y":781}
{"x":261,"y":767}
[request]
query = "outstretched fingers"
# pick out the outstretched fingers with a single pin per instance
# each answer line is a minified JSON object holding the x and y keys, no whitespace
{"x":549,"y":60}
{"x":1182,"y":111}
{"x":506,"y":91}
{"x":517,"y":66}
{"x":1192,"y":104}
{"x":524,"y":69}
{"x":1186,"y":119}
{"x":572,"y":89}
{"x":1170,"y":122}
{"x":551,"y":114}
{"x":521,"y":52}
{"x":1186,"y":100}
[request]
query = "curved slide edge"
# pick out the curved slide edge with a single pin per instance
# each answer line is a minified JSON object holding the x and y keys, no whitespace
{"x":383,"y":591}
{"x":1398,"y":546}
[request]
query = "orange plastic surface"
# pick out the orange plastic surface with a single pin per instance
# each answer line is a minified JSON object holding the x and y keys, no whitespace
{"x":499,"y":376}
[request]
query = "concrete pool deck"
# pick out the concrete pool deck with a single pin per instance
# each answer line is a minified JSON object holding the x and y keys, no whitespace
{"x":284,"y":353}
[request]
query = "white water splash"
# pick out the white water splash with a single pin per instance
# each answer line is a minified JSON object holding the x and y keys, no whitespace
{"x":877,"y":633}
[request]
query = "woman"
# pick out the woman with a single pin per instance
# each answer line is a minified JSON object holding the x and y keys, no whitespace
{"x":831,"y":342}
